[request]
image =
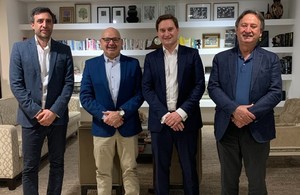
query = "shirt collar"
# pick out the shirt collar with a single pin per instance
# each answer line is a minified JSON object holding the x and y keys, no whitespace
{"x":116,"y":59}
{"x":175,"y":50}
{"x":37,"y":43}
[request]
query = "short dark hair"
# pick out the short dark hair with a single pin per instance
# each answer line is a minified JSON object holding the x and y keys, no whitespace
{"x":254,"y":12}
{"x":166,"y":17}
{"x":38,"y":10}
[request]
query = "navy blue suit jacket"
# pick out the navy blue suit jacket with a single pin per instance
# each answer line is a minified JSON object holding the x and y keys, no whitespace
{"x":26,"y":84}
{"x":265,"y":91}
{"x":96,"y":98}
{"x":191,"y":86}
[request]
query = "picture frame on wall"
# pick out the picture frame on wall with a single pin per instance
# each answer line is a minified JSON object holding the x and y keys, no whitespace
{"x":83,"y":13}
{"x":118,"y":14}
{"x":198,"y":12}
{"x":169,"y":8}
{"x":103,"y":15}
{"x":226,"y":11}
{"x":211,"y":40}
{"x":66,"y":15}
{"x":149,"y":12}
{"x":230,"y":38}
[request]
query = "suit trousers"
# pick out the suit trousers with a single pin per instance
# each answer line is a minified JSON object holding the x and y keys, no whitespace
{"x":32,"y":142}
{"x":235,"y":148}
{"x":186,"y":145}
{"x":104,"y":152}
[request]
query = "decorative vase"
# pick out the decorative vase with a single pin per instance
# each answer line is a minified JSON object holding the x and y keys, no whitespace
{"x":132,"y":14}
{"x":276,"y":9}
{"x":268,"y":14}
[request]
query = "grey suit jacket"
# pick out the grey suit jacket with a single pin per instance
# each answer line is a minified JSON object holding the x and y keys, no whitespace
{"x":265,"y":91}
{"x":26,"y":84}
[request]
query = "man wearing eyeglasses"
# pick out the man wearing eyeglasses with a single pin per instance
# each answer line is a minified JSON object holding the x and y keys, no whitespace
{"x":111,"y":93}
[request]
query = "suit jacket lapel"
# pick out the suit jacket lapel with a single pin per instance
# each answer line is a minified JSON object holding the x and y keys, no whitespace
{"x":160,"y":62}
{"x":53,"y":56}
{"x":33,"y":52}
{"x":123,"y":68}
{"x":232,"y":63}
{"x":181,"y":64}
{"x":256,"y":65}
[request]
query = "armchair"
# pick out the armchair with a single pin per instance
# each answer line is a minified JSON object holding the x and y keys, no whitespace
{"x":287,"y":142}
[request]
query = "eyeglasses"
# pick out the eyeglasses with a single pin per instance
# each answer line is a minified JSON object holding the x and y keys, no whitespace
{"x":114,"y":39}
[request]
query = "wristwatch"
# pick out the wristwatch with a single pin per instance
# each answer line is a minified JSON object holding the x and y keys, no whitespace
{"x":121,"y":112}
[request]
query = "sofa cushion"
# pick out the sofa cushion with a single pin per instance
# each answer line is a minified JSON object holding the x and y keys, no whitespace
{"x":291,"y":112}
{"x":8,"y":110}
{"x":74,"y":117}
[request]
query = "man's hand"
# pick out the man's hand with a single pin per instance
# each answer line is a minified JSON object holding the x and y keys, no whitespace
{"x":174,"y":121}
{"x":46,"y":117}
{"x":242,"y":116}
{"x":113,"y":118}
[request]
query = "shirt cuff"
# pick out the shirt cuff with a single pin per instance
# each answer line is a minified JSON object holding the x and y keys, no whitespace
{"x":182,"y":113}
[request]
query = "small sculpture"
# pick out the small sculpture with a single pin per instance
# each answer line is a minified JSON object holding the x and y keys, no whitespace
{"x":132,"y":14}
{"x":268,"y":14}
{"x":276,"y":9}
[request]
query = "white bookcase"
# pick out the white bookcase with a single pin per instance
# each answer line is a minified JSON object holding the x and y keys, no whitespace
{"x":80,"y":31}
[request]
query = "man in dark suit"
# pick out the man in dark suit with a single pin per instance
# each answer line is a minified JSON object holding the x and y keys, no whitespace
{"x":111,"y":92}
{"x":173,"y":84}
{"x":41,"y":79}
{"x":245,"y":83}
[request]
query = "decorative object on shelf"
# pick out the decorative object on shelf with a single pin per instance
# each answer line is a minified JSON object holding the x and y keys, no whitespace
{"x":155,"y":44}
{"x":211,"y":40}
{"x":286,"y":65}
{"x":225,"y":11}
{"x":230,"y":38}
{"x":169,"y":8}
{"x":198,"y":12}
{"x":118,"y":14}
{"x":83,"y":13}
{"x":283,"y":40}
{"x":103,"y":15}
{"x":66,"y":15}
{"x":264,"y":39}
{"x":268,"y":14}
{"x":149,"y":12}
{"x":276,"y":9}
{"x":132,"y":14}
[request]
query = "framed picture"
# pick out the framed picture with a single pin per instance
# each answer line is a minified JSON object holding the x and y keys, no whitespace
{"x":211,"y":40}
{"x":66,"y":15}
{"x":169,"y":8}
{"x":226,"y":11}
{"x":149,"y":12}
{"x":198,"y":12}
{"x":103,"y":15}
{"x":118,"y":14}
{"x":230,"y":38}
{"x":83,"y":13}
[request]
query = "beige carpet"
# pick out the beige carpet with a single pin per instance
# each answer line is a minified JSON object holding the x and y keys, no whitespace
{"x":283,"y":173}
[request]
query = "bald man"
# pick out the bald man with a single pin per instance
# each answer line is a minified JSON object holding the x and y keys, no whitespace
{"x":111,"y":93}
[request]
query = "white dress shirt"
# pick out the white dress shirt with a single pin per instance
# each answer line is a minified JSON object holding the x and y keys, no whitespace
{"x":113,"y":74}
{"x":44,"y":60}
{"x":171,"y":72}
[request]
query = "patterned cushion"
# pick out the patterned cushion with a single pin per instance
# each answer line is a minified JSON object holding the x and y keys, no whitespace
{"x":8,"y":110}
{"x":291,"y":112}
